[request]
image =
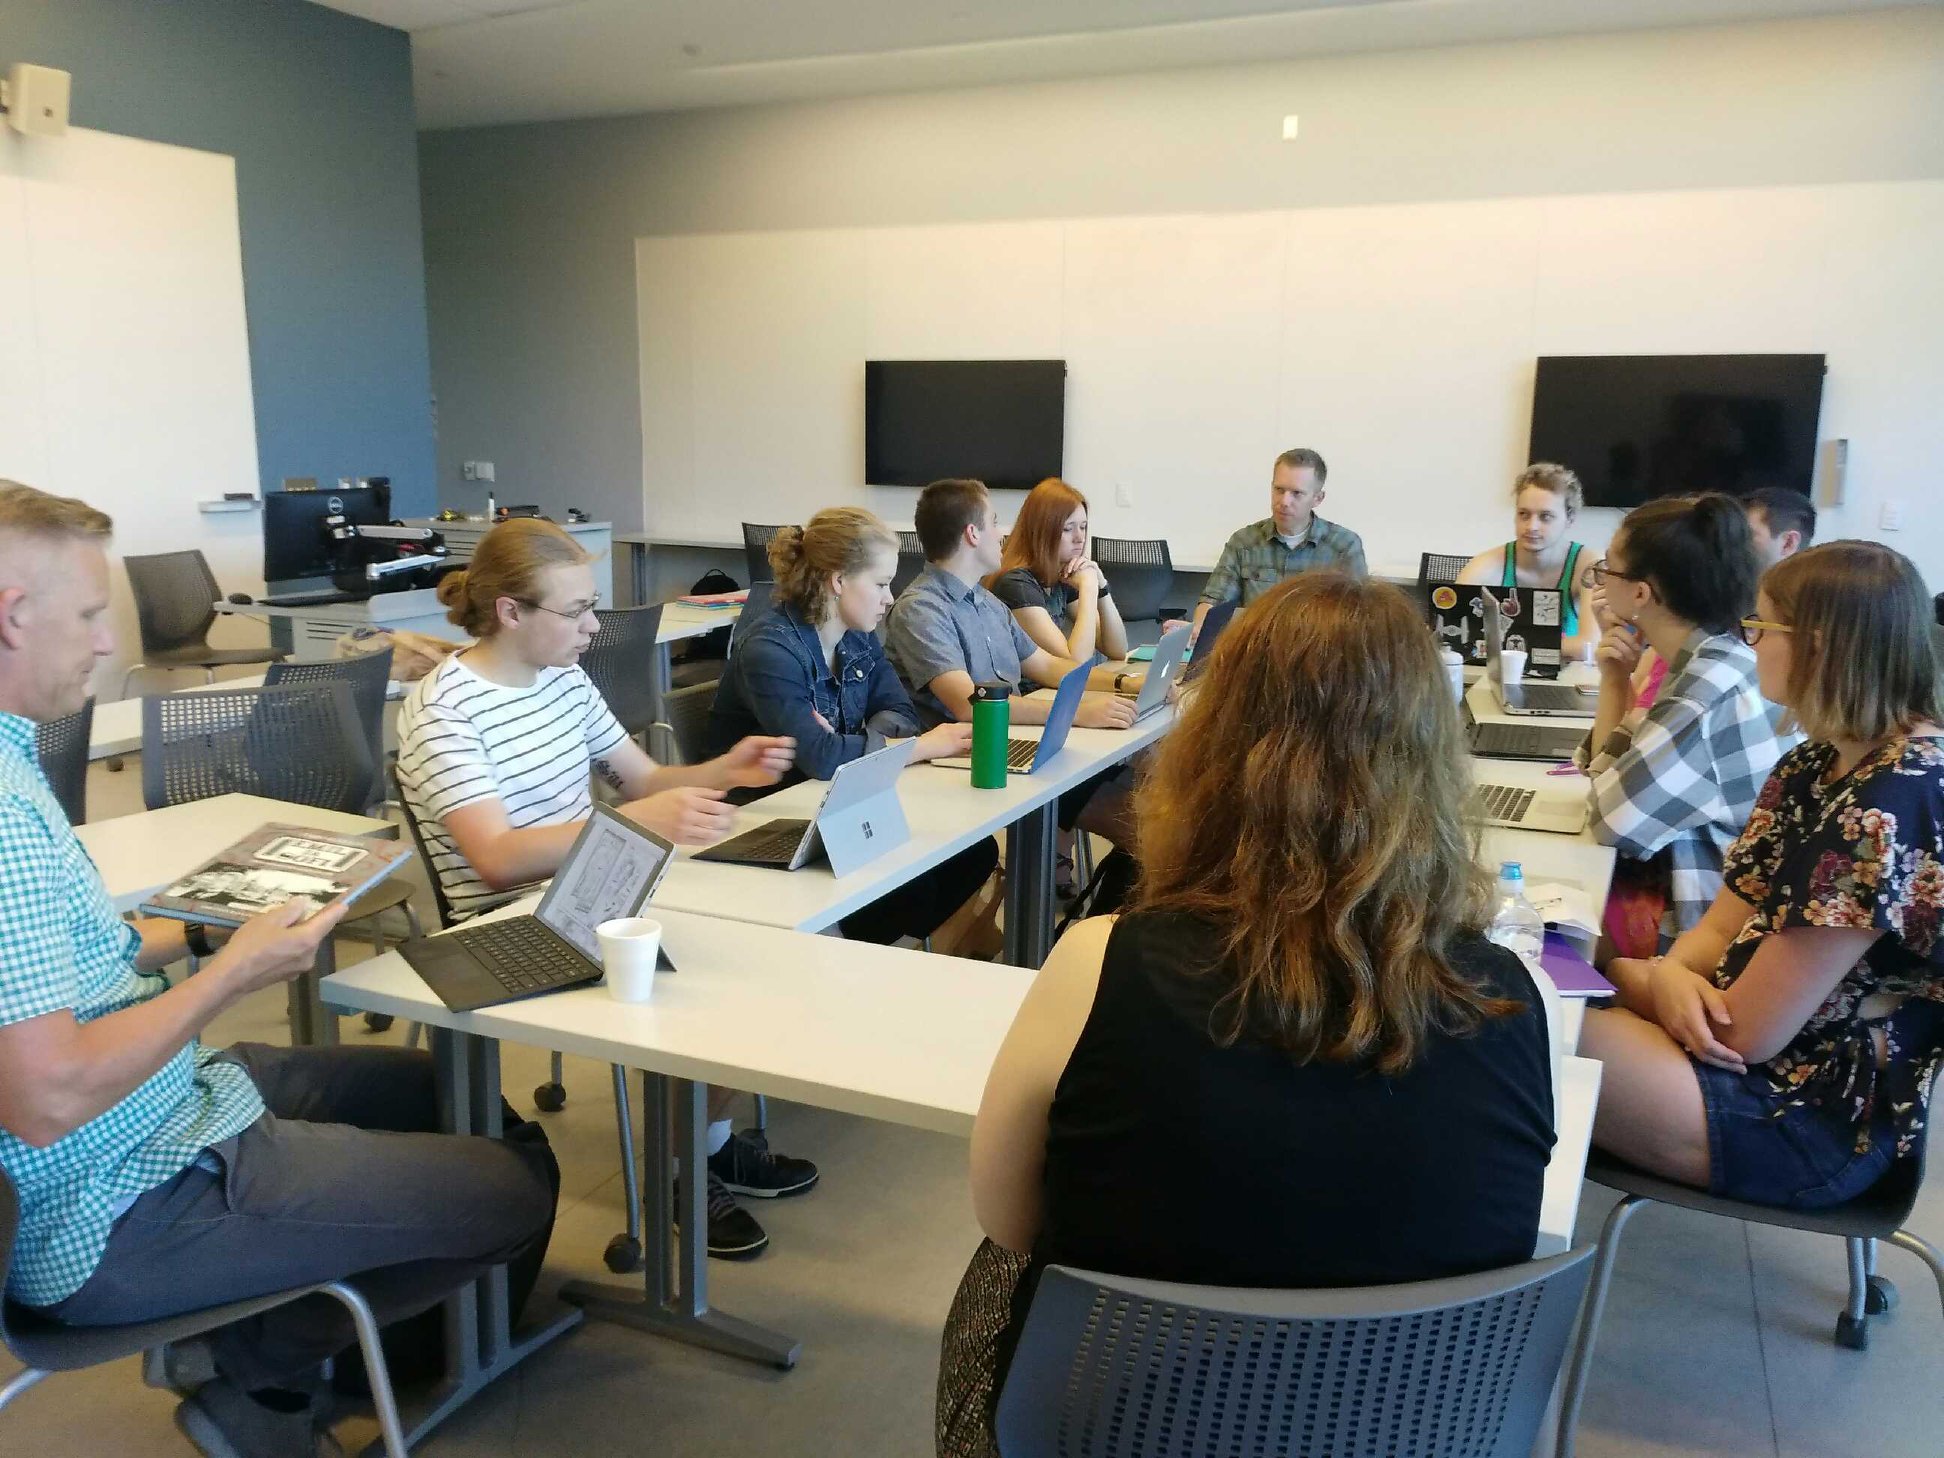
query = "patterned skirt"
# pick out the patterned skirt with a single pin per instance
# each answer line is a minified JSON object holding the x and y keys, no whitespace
{"x":978,"y":1318}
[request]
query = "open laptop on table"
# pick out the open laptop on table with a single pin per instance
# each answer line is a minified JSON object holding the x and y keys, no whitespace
{"x":1531,"y":618}
{"x":859,"y":819}
{"x":1161,"y":672}
{"x":1561,"y":809}
{"x":1030,"y":756}
{"x":611,"y":871}
{"x":1543,"y":700}
{"x":1213,"y":626}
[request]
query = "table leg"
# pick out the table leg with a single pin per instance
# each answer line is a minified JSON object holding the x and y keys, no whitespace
{"x":675,"y":1273}
{"x":1029,"y":887}
{"x":659,"y":684}
{"x":480,"y":1343}
{"x":312,"y":1024}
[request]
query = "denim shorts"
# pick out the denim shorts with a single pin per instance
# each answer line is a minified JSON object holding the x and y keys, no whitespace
{"x":1800,"y":1158}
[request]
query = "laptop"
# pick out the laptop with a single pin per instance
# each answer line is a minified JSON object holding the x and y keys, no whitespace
{"x":1516,"y":807}
{"x":1556,"y":700}
{"x":1456,"y":613}
{"x":1213,"y":626}
{"x":611,"y":871}
{"x":1498,"y":735}
{"x":1161,"y":672}
{"x":1030,"y":756}
{"x":858,"y":820}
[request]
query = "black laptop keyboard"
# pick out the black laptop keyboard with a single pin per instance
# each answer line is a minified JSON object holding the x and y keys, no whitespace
{"x":776,"y":841}
{"x":1524,"y":741}
{"x":1507,"y":803}
{"x":1020,"y":752}
{"x":522,"y":956}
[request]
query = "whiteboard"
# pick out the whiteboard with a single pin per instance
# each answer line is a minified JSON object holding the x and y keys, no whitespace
{"x":1398,"y":340}
{"x":124,"y":352}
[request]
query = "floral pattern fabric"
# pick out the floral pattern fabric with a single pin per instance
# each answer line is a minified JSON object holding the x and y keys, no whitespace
{"x":1864,"y":851}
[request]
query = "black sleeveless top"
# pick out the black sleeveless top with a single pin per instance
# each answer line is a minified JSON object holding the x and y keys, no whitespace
{"x":1173,"y":1158}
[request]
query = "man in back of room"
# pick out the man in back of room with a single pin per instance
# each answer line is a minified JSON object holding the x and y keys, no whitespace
{"x":1781,"y":521}
{"x":1291,"y":539}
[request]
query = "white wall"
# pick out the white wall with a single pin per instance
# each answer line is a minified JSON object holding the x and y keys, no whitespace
{"x":1397,"y":340}
{"x":124,"y":358}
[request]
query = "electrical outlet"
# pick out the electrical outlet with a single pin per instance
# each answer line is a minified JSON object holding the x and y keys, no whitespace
{"x":469,"y":471}
{"x":1292,"y":128}
{"x":1123,"y":495}
{"x":1890,"y":516}
{"x":485,"y":469}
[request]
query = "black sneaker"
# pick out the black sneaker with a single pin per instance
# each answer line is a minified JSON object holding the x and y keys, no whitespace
{"x":734,"y":1234}
{"x":746,"y":1166}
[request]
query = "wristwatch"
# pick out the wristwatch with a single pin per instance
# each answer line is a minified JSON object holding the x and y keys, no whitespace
{"x":1119,"y":679}
{"x":197,"y":938}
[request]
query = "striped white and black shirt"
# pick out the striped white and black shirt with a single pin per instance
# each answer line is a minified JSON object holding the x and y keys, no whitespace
{"x":463,"y":739}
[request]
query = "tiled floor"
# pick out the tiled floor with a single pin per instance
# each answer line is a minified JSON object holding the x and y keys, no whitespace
{"x":1716,"y":1339}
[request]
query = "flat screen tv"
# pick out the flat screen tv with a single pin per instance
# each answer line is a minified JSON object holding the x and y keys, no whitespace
{"x":1000,"y":421}
{"x":1640,"y":426}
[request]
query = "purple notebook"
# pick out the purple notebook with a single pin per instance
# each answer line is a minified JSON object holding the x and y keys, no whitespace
{"x":1571,"y":973}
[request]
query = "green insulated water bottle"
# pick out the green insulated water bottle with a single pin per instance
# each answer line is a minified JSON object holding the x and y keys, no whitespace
{"x":991,"y":733}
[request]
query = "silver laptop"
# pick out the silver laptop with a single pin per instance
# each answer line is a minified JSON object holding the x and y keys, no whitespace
{"x":859,"y":819}
{"x":1161,"y":673}
{"x":1560,"y":809}
{"x":1030,"y":756}
{"x":1527,"y":697}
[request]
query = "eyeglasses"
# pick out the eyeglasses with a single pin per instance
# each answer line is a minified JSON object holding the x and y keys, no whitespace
{"x":1597,"y":574}
{"x":1753,"y":628}
{"x":573,"y":612}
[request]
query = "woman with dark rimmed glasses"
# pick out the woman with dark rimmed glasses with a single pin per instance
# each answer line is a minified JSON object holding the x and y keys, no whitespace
{"x":1672,"y":785}
{"x":1784,"y":1049}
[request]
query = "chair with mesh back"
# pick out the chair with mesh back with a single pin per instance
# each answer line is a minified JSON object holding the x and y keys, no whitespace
{"x":175,"y":604}
{"x":1877,"y":1214}
{"x":303,"y":743}
{"x":756,"y":540}
{"x":911,"y":560}
{"x":623,"y":1253}
{"x":1462,"y":1367}
{"x":683,"y":735}
{"x":63,"y":748}
{"x":1140,"y":572}
{"x":761,"y":596}
{"x":1439,"y":567}
{"x":622,"y":663}
{"x":43,"y":1347}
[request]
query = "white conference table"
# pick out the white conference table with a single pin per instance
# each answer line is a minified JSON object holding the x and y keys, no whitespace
{"x":945,"y":814}
{"x":140,"y":854}
{"x":882,"y":1032}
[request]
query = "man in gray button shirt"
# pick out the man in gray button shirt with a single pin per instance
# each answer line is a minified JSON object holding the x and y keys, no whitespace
{"x":947,"y":633}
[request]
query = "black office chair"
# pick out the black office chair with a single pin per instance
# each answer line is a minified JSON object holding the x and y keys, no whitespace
{"x":762,"y":595}
{"x":683,"y":736}
{"x":1140,"y":571}
{"x":304,"y":743}
{"x":1877,"y":1214}
{"x":623,"y":1253}
{"x":369,"y":675}
{"x":756,"y":540}
{"x":44,"y":1347}
{"x":621,"y":662}
{"x":63,"y":748}
{"x":175,"y":604}
{"x":1110,"y":1366}
{"x":911,"y":560}
{"x":1439,"y":567}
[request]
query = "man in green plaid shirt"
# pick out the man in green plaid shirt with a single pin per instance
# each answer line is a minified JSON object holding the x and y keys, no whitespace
{"x":1292,"y":539}
{"x":155,"y":1175}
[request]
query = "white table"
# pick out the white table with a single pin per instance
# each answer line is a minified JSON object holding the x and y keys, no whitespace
{"x":889,"y":1034}
{"x":946,"y":814}
{"x":140,"y":854}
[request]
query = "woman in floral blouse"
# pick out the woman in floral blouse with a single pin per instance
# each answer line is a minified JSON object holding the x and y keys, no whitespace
{"x":1783,"y":1050}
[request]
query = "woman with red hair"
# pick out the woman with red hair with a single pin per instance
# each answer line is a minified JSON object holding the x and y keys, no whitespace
{"x":1057,"y":593}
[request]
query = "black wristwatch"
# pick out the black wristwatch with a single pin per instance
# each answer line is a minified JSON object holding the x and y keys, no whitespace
{"x":196,"y":936}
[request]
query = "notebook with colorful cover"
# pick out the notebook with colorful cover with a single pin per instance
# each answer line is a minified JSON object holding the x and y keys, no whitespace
{"x":274,"y":863}
{"x":1571,"y":973}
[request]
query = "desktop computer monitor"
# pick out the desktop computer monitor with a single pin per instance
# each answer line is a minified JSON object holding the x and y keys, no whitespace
{"x":294,"y":544}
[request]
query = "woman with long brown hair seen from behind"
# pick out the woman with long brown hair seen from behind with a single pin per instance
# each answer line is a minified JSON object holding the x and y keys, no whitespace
{"x":1056,"y":591}
{"x":1296,"y":1061}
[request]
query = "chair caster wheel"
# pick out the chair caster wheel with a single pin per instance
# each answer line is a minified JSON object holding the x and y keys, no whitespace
{"x":114,"y":764}
{"x":1882,"y":1297}
{"x":1852,"y":1333}
{"x":378,"y":1022}
{"x":550,"y":1098}
{"x":623,"y":1255}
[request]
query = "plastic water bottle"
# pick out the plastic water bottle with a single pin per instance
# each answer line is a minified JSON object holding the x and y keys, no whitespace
{"x":1454,"y":672}
{"x":1516,"y":924}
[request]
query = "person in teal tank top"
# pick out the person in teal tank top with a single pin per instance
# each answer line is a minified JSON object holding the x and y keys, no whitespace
{"x":1546,"y":502}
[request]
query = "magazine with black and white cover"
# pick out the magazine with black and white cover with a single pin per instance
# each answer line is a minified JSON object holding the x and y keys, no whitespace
{"x":273,"y":864}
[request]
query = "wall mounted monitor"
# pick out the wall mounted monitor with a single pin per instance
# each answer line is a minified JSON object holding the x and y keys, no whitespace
{"x":1000,"y":421}
{"x":1639,"y":426}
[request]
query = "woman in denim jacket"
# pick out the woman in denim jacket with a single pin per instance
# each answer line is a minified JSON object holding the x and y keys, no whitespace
{"x":814,"y":662}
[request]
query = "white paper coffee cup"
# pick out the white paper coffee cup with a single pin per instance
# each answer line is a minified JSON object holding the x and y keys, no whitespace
{"x":630,"y":947}
{"x":1512,"y":665}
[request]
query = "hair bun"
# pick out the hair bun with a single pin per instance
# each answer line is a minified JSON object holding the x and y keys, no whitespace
{"x":785,"y":550}
{"x":451,"y":588}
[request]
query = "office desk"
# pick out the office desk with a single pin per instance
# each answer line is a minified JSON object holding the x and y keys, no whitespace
{"x":889,"y":1034}
{"x":140,"y":854}
{"x":945,"y":815}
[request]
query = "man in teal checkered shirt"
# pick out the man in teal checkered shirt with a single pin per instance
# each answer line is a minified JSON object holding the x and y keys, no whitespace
{"x":1292,"y":539}
{"x":155,"y":1175}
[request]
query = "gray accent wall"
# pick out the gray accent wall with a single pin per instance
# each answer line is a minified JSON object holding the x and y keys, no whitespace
{"x":530,"y":229}
{"x":316,"y":108}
